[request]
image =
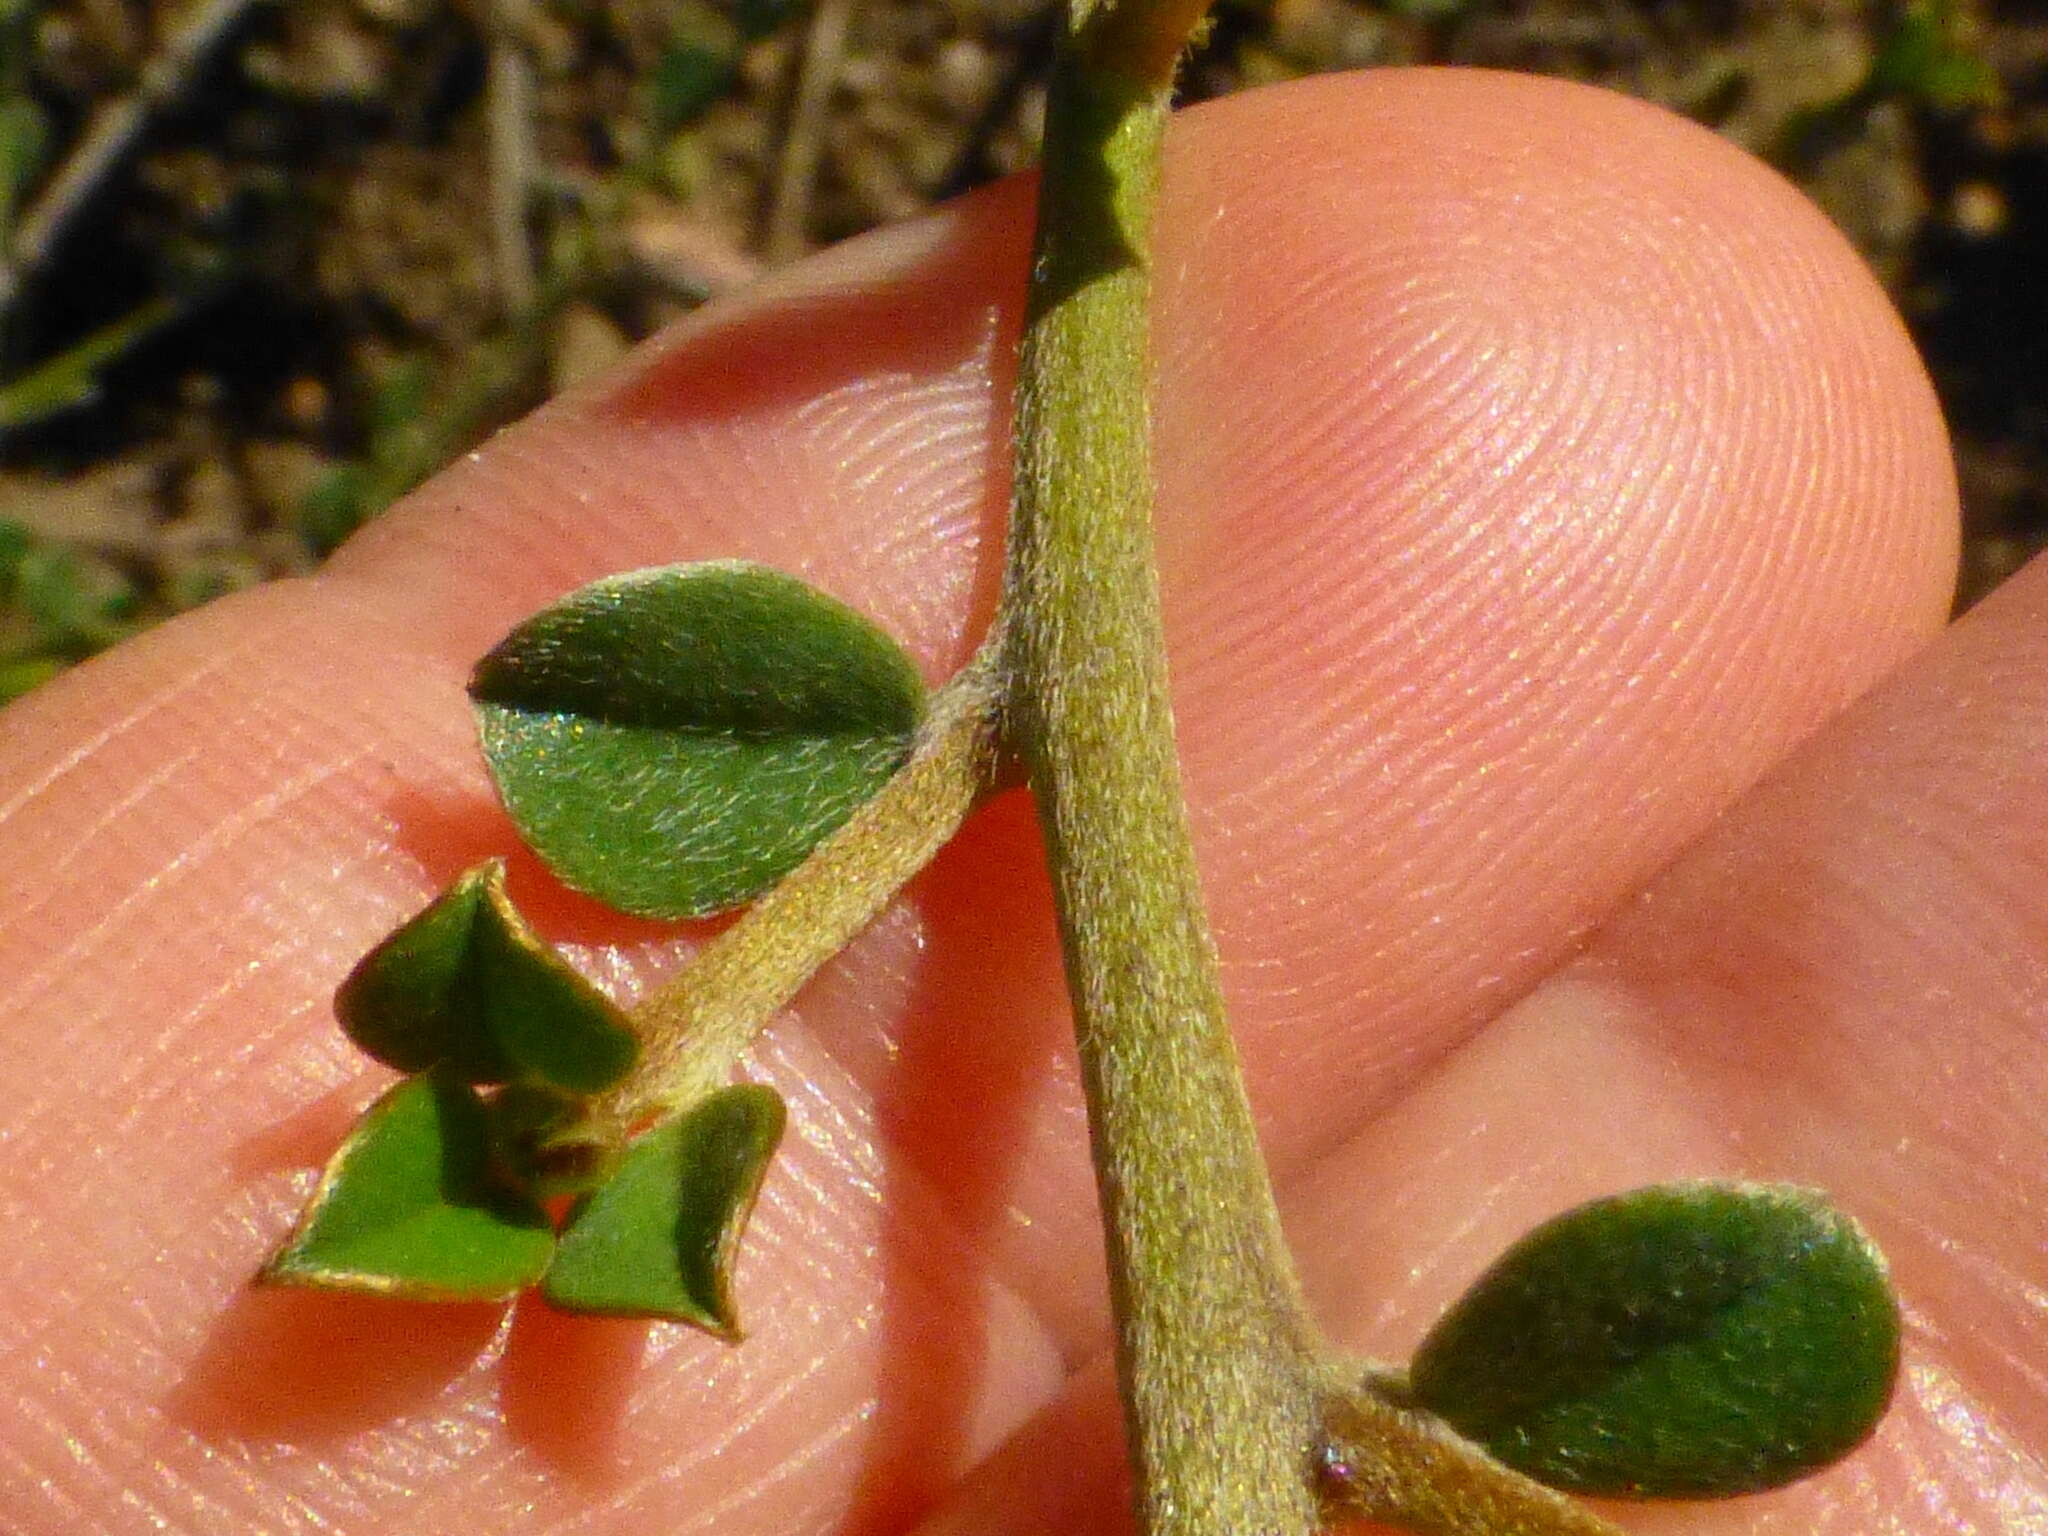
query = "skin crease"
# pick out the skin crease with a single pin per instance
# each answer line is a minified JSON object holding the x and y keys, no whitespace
{"x":1537,"y":476}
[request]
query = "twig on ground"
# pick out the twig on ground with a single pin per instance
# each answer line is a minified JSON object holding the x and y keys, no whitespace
{"x":797,"y":170}
{"x":509,"y":109}
{"x":110,"y":138}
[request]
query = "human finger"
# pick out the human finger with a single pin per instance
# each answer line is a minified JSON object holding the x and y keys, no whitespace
{"x":220,"y":819}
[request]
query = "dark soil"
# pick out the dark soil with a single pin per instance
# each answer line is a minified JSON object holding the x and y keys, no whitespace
{"x":346,"y":238}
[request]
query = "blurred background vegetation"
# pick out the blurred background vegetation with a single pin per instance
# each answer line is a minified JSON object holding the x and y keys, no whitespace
{"x":266,"y":264}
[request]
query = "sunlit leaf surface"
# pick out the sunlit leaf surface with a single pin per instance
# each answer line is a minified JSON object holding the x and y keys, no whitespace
{"x":659,"y":1237}
{"x":408,"y":1208}
{"x":469,"y":988}
{"x":674,"y":741}
{"x":1687,"y":1340}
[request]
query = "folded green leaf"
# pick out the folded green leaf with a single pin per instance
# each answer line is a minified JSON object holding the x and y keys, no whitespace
{"x":674,"y":741}
{"x":659,"y":1237}
{"x":408,"y":1208}
{"x":1683,"y":1341}
{"x":468,"y":987}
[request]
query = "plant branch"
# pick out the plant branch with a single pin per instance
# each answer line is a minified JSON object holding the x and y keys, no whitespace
{"x":1236,"y":1417}
{"x":696,"y":1026}
{"x":1215,"y":1357}
{"x":1381,"y":1460}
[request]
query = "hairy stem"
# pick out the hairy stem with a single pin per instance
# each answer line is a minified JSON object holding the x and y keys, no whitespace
{"x":1382,"y":1460}
{"x":1237,"y":1416}
{"x":1215,"y":1359}
{"x":696,"y":1026}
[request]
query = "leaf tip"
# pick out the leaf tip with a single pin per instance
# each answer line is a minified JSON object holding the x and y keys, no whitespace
{"x":467,"y":988}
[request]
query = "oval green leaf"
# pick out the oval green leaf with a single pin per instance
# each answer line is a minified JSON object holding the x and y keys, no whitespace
{"x":674,"y":741}
{"x":408,"y":1208}
{"x":469,"y":988}
{"x":1683,"y":1341}
{"x":659,"y":1237}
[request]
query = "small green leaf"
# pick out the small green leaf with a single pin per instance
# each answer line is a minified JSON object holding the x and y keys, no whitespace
{"x":674,"y":741}
{"x":22,"y":675}
{"x":75,"y":604}
{"x":467,"y":986}
{"x":1683,"y":1341}
{"x":658,"y":1239}
{"x":336,"y":505}
{"x":17,"y":542}
{"x":408,"y":1207}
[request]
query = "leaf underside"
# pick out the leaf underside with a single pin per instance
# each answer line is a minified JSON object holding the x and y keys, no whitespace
{"x":408,"y":1207}
{"x":469,"y":988}
{"x":658,"y":1239}
{"x":1684,"y":1341}
{"x":674,"y":741}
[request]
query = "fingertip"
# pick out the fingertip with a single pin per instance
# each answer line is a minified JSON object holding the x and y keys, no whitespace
{"x":1412,"y":306}
{"x":1536,"y":469}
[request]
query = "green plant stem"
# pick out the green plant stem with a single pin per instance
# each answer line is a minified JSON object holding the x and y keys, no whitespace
{"x":696,"y":1026}
{"x":1215,"y":1358}
{"x":1234,"y":1409}
{"x":72,"y":377}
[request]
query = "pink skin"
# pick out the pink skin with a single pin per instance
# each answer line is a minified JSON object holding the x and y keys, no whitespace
{"x":1538,"y":475}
